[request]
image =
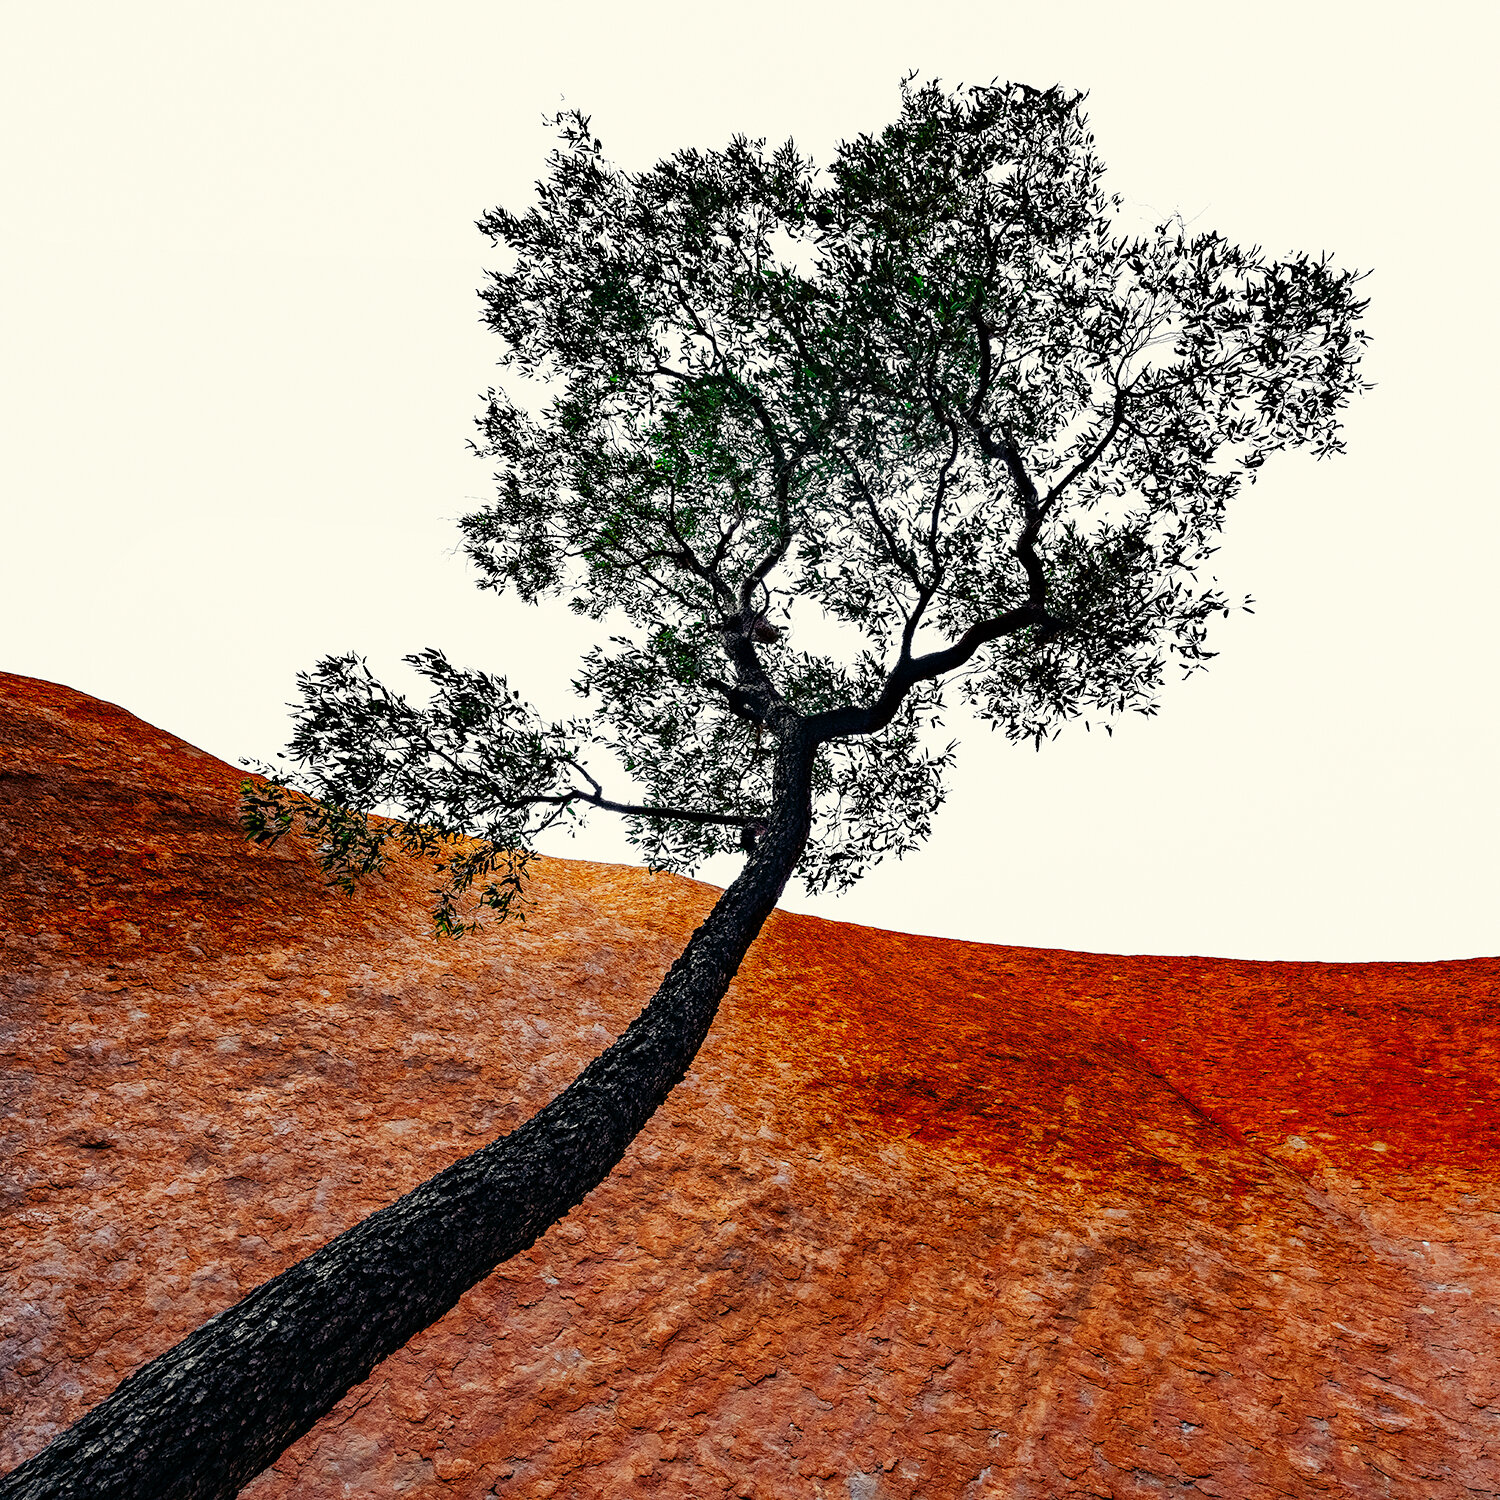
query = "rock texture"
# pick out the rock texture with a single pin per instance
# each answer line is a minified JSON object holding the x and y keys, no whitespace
{"x":927,"y":1218}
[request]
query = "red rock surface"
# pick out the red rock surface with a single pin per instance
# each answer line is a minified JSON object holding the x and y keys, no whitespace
{"x":928,"y":1218}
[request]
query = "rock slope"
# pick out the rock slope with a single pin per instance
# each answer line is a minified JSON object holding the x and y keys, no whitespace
{"x":928,"y":1218}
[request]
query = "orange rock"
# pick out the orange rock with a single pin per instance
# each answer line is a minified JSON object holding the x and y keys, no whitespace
{"x":449,"y":1466}
{"x":927,"y":1218}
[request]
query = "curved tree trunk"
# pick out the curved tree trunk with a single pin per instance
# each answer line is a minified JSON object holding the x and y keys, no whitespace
{"x":210,"y":1414}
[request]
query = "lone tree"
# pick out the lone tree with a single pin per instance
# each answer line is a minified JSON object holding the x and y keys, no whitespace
{"x":834,"y":446}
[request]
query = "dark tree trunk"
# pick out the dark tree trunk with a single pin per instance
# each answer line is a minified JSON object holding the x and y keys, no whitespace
{"x":210,"y":1414}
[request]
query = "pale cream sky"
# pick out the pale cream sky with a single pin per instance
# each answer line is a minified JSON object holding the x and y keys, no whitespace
{"x":240,"y":358}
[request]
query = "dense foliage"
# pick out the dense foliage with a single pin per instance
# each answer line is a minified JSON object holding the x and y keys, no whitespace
{"x":820,"y":449}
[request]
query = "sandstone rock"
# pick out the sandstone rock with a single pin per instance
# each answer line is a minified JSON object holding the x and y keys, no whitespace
{"x":927,"y":1218}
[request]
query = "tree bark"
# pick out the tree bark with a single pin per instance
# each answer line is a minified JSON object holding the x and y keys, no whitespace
{"x":203,"y":1419}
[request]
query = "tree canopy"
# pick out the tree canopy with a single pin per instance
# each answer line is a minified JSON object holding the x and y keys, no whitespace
{"x":830,"y":448}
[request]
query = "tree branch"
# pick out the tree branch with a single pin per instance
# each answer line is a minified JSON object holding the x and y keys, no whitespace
{"x":892,"y":546}
{"x":596,"y":798}
{"x":689,"y":560}
{"x":842,"y":723}
{"x":635,"y":810}
{"x":1088,"y":461}
{"x":926,"y":591}
{"x":736,"y":700}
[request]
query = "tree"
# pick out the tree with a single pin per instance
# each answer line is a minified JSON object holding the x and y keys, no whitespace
{"x":823,"y":450}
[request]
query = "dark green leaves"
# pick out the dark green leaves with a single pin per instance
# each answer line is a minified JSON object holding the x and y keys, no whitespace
{"x":810,"y":441}
{"x":472,"y":777}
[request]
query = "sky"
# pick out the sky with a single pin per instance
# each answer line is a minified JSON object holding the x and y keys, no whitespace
{"x":240,"y":357}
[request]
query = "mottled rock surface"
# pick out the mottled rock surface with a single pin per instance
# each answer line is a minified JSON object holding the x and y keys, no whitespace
{"x":928,"y":1218}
